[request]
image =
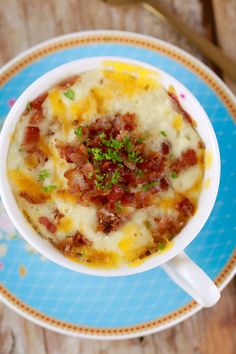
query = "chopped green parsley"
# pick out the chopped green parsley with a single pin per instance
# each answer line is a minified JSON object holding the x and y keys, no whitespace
{"x":49,"y":188}
{"x":70,"y":94}
{"x":163,"y":133}
{"x":147,"y":186}
{"x":118,"y":206}
{"x":90,"y":174}
{"x":174,"y":175}
{"x":78,"y":132}
{"x":161,"y":246}
{"x":43,"y":174}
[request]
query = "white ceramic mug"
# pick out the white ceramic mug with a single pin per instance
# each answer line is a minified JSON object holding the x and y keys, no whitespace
{"x":182,"y":270}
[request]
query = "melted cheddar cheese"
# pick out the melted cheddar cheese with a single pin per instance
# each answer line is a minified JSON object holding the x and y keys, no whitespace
{"x":115,"y":87}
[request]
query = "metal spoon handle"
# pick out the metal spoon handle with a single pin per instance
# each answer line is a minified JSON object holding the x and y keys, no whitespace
{"x":211,"y":51}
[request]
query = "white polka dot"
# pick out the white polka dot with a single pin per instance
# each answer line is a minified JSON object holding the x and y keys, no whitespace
{"x":229,"y":146}
{"x":228,"y":216}
{"x":232,"y":174}
{"x":226,"y":189}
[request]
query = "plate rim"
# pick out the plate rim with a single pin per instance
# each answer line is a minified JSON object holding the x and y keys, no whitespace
{"x":229,"y":270}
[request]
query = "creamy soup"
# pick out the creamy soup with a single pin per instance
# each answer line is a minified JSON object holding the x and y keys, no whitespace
{"x":107,"y":165}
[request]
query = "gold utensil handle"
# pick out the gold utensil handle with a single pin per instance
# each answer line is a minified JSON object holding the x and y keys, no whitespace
{"x":211,"y":51}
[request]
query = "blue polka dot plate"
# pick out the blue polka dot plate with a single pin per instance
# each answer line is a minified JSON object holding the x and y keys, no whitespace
{"x":123,"y":307}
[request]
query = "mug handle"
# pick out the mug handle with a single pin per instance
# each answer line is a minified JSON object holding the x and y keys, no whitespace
{"x":186,"y":274}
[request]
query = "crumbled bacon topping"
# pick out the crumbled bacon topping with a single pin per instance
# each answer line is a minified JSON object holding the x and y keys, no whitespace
{"x":49,"y":225}
{"x":113,"y":169}
{"x":188,"y":158}
{"x":38,"y":102}
{"x":185,"y":114}
{"x":186,"y":207}
{"x":36,"y":118}
{"x":33,"y":198}
{"x":31,"y":136}
{"x":70,"y":245}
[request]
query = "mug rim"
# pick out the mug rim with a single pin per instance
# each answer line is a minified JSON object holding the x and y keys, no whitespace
{"x":180,"y":241}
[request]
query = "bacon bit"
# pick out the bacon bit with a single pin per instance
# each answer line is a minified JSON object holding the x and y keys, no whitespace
{"x":38,"y":102}
{"x":57,"y":215}
{"x":107,"y":221}
{"x":76,"y":153}
{"x":154,"y":162}
{"x":75,"y":122}
{"x":33,"y":199}
{"x":50,"y":226}
{"x":131,"y":178}
{"x":201,"y":144}
{"x":115,"y":194}
{"x":36,"y":118}
{"x":178,"y":104}
{"x":125,"y":122}
{"x":108,"y":166}
{"x":187,"y":159}
{"x":164,"y":185}
{"x":186,"y":207}
{"x":165,"y":148}
{"x":190,"y":157}
{"x":31,"y":136}
{"x":128,"y":199}
{"x":100,"y":124}
{"x":68,"y":82}
{"x":88,"y":170}
{"x":143,"y":199}
{"x":76,"y":180}
{"x":167,"y":226}
{"x":69,"y":246}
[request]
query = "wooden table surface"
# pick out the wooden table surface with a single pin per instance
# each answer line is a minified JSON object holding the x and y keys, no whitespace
{"x":25,"y":23}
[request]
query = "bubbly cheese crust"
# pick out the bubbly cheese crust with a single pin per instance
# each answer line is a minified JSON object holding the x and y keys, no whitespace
{"x":94,"y":94}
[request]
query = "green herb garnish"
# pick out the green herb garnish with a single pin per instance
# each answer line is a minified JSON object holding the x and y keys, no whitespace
{"x":161,"y":246}
{"x":118,"y":206}
{"x":99,"y":185}
{"x":128,"y":144}
{"x":140,"y":141}
{"x":49,"y":188}
{"x":83,"y":253}
{"x":132,"y":155}
{"x":90,"y":174}
{"x":115,"y":177}
{"x":147,"y":186}
{"x":101,"y":182}
{"x":163,"y":133}
{"x":115,"y":144}
{"x":78,"y":132}
{"x":43,"y":174}
{"x":113,"y":156}
{"x":174,"y":175}
{"x":70,"y":94}
{"x":98,"y":155}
